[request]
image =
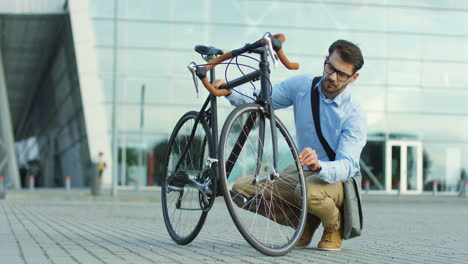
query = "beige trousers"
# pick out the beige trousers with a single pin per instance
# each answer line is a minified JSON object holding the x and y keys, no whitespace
{"x":281,"y":198}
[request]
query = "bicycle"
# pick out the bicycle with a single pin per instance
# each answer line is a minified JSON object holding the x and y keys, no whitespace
{"x":198,"y":167}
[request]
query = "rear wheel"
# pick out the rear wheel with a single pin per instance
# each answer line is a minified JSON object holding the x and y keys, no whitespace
{"x":268,"y":206}
{"x":184,"y":206}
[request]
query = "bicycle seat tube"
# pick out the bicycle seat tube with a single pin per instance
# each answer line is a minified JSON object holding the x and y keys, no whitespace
{"x":214,"y":118}
{"x":213,"y":121}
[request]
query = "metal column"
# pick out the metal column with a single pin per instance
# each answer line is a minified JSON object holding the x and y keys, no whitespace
{"x":8,"y":163}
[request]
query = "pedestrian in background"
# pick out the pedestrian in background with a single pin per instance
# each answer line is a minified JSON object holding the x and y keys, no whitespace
{"x":101,"y":165}
{"x":461,"y":184}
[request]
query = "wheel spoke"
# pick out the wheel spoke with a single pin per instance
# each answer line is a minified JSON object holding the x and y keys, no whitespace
{"x":273,"y":212}
{"x":181,"y":209}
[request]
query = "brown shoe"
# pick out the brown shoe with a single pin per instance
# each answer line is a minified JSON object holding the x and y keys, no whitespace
{"x":331,"y":240}
{"x":311,"y":225}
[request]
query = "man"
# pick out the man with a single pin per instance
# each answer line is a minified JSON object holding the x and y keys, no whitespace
{"x":343,"y":125}
{"x":461,"y":184}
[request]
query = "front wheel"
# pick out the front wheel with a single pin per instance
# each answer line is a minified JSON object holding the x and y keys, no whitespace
{"x":267,"y":204}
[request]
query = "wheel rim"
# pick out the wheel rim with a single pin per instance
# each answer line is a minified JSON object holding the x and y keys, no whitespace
{"x":262,"y":232}
{"x":181,"y":202}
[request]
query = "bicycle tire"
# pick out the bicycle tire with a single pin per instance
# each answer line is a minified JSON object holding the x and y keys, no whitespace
{"x":268,"y":221}
{"x":182,"y":210}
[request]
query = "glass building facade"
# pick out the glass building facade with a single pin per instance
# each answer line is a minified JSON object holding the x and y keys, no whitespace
{"x":412,"y":85}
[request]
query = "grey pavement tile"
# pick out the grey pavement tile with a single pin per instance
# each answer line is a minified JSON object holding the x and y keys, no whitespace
{"x":111,"y":259}
{"x":12,"y":259}
{"x":63,"y":260}
{"x":134,"y":232}
{"x":36,"y":261}
{"x":9,"y":254}
{"x":38,"y":257}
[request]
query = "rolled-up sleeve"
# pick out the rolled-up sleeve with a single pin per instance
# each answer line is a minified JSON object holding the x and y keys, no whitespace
{"x":282,"y":94}
{"x":242,"y":95}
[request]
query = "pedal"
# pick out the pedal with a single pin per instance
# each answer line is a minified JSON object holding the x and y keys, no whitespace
{"x":178,"y":179}
{"x":254,"y":203}
{"x":238,"y":199}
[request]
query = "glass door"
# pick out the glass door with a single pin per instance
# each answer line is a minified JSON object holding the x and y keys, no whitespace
{"x":404,"y":166}
{"x":396,"y":168}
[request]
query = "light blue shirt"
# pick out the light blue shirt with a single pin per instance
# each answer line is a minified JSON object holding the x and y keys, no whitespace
{"x":343,"y":122}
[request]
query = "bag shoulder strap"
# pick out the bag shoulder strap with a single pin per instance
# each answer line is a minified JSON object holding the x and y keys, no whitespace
{"x":315,"y":103}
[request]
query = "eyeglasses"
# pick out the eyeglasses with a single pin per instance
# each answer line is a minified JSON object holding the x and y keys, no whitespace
{"x":329,"y":69}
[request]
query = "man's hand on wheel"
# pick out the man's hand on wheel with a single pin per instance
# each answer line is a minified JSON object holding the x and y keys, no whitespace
{"x":308,"y":158}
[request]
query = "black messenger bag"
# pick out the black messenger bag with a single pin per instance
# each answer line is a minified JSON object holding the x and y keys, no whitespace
{"x":352,"y":209}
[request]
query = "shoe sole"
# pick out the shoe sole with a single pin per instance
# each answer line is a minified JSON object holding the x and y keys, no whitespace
{"x":330,"y":249}
{"x":301,"y":246}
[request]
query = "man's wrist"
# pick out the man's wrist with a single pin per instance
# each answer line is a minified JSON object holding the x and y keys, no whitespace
{"x":317,"y":170}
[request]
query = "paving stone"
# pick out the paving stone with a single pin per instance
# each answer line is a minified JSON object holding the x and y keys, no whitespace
{"x":396,"y":230}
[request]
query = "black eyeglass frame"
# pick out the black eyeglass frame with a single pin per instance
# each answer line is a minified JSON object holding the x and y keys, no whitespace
{"x":338,"y":72}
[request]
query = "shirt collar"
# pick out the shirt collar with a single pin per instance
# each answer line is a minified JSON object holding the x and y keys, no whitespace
{"x":338,"y":100}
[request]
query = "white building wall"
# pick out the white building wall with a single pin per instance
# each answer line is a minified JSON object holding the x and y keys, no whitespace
{"x":8,"y":164}
{"x":91,"y":92}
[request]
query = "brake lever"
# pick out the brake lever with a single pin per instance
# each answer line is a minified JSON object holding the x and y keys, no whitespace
{"x":192,"y":67}
{"x":269,"y":45}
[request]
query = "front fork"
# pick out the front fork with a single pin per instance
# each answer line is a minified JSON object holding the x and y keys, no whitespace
{"x":242,"y":138}
{"x":268,"y":106}
{"x":274,"y":138}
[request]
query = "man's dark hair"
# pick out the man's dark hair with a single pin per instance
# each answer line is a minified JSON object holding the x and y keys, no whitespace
{"x":349,"y":52}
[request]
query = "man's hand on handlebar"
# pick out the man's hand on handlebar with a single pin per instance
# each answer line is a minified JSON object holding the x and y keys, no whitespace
{"x":218,"y":82}
{"x":274,"y":45}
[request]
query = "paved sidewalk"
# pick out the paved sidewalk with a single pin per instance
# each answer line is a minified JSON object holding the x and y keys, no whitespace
{"x":50,"y":226}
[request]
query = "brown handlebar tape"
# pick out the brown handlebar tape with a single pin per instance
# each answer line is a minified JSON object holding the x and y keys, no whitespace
{"x":226,"y":56}
{"x":213,"y":90}
{"x":282,"y":37}
{"x":282,"y":56}
{"x":286,"y":62}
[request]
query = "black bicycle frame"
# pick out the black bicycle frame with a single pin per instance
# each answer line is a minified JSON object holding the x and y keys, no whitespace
{"x":264,"y":100}
{"x":211,"y":99}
